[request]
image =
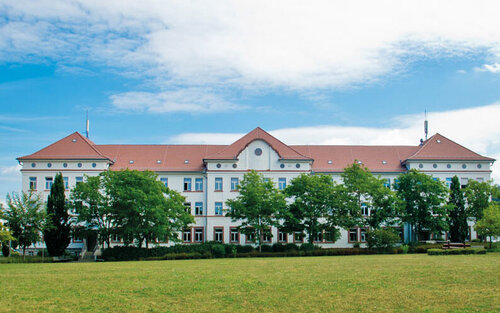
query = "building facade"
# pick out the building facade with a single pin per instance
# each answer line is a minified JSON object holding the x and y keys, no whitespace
{"x":208,"y":175}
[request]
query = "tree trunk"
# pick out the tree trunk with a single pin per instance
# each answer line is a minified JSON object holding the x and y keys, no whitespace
{"x":260,"y":240}
{"x":24,"y":252}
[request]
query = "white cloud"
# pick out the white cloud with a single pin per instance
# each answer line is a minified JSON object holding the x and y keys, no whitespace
{"x":475,"y":128}
{"x":492,"y":68}
{"x":248,"y":44}
{"x":192,"y":100}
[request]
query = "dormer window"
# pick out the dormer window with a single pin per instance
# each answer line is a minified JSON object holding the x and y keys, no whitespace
{"x":73,"y":140}
{"x":158,"y":161}
{"x":186,"y":161}
{"x":131,"y":161}
{"x":330,"y":162}
{"x":384,"y":162}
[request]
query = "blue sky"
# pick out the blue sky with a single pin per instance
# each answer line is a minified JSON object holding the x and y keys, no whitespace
{"x":198,"y":72}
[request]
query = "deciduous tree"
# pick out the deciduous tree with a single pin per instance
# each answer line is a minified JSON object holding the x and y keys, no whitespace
{"x":423,"y":201}
{"x":489,"y":225}
{"x":313,"y":201}
{"x":143,"y":208}
{"x":256,"y":206}
{"x":25,"y":218}
{"x":477,"y":196}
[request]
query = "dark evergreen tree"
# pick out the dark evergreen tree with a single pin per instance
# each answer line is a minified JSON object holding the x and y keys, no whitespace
{"x":458,"y":216}
{"x":57,"y":234}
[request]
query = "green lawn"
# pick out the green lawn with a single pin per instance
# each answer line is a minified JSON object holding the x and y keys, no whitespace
{"x":372,"y":283}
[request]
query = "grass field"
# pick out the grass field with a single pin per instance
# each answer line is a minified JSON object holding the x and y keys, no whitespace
{"x":372,"y":283}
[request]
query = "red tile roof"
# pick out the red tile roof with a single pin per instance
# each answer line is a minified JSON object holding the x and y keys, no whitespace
{"x":376,"y":158}
{"x":74,"y":146}
{"x":232,"y":151}
{"x":173,"y":157}
{"x":439,"y":147}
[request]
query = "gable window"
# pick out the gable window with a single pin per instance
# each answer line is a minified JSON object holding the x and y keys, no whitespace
{"x":164,"y":181}
{"x":219,"y":234}
{"x":187,"y":184}
{"x":66,"y":183}
{"x":365,"y":211}
{"x":218,"y":208}
{"x":198,"y":234}
{"x":187,"y":205}
{"x":32,"y":183}
{"x":198,"y":208}
{"x":281,"y":183}
{"x":353,"y":235}
{"x":186,"y":235}
{"x":234,"y":183}
{"x":218,"y":183}
{"x":48,"y":182}
{"x":198,"y":184}
{"x":235,"y":235}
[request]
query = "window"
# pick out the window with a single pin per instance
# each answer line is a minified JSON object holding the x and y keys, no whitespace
{"x":187,"y":184}
{"x":282,"y":236}
{"x":396,"y":183}
{"x":298,"y":237}
{"x":234,"y":183}
{"x":353,"y":235}
{"x":198,"y":208}
{"x":218,"y":208}
{"x":479,"y":179}
{"x":448,"y":182}
{"x":387,"y":183}
{"x":464,"y":181}
{"x":164,"y":181}
{"x":266,"y":179}
{"x":66,"y":183}
{"x":65,"y":165}
{"x":198,"y":184}
{"x":219,"y":234}
{"x":48,"y":182}
{"x":187,"y":205}
{"x":79,"y":179}
{"x":235,"y":235}
{"x":31,"y":253}
{"x":218,"y":183}
{"x":329,"y":235}
{"x":94,"y":164}
{"x":116,"y":238}
{"x":186,"y":235}
{"x":32,"y":183}
{"x":162,"y":239}
{"x":318,"y":237}
{"x":267,"y":236}
{"x":281,"y":183}
{"x":250,"y":237}
{"x":77,"y":238}
{"x":365,"y":211}
{"x":198,"y":234}
{"x":258,"y":151}
{"x":363,"y":234}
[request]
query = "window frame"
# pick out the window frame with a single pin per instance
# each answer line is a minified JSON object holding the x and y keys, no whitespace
{"x":197,"y":231}
{"x":216,"y":205}
{"x":197,"y":210}
{"x":219,"y":183}
{"x":234,"y":229}
{"x":221,"y":228}
{"x":187,"y":184}
{"x":198,"y":184}
{"x":32,"y":183}
{"x":281,"y":183}
{"x":234,"y":186}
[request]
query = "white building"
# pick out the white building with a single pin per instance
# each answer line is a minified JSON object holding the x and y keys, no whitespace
{"x":207,"y":175}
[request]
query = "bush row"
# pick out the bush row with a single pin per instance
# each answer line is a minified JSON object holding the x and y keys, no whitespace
{"x":218,"y":250}
{"x":455,"y":251}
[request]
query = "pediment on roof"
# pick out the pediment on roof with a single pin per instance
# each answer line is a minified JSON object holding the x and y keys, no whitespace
{"x":232,"y":151}
{"x":74,"y":146}
{"x":438,"y":147}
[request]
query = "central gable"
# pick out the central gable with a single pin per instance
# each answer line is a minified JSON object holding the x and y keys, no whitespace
{"x":232,"y":152}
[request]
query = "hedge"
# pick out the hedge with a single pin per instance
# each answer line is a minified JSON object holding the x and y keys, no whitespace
{"x":456,"y":251}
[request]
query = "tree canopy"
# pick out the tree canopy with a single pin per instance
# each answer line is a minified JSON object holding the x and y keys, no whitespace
{"x":313,"y":200}
{"x":25,"y":218}
{"x":256,"y":206}
{"x":142,"y":208}
{"x":423,"y":201}
{"x":489,"y":224}
{"x":478,"y":198}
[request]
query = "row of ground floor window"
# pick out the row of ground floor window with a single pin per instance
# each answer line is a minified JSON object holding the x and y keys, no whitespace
{"x":199,"y":234}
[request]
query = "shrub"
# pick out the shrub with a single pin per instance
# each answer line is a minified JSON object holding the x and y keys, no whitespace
{"x":5,"y":249}
{"x":307,"y":247}
{"x":218,"y":250}
{"x":455,"y":251}
{"x":267,"y":248}
{"x":291,"y":246}
{"x":244,"y":249}
{"x":404,"y":249}
{"x":382,"y":238}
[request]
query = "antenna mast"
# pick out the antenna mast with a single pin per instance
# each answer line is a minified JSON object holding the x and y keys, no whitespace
{"x":87,"y":128}
{"x":426,"y":125}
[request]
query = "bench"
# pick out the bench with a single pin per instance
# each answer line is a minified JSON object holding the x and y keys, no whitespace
{"x":456,"y":245}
